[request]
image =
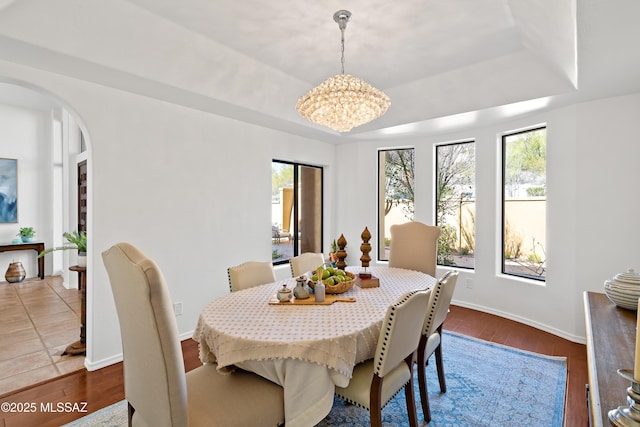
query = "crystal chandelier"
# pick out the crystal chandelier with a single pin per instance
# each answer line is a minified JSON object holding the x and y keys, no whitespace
{"x":343,"y":102}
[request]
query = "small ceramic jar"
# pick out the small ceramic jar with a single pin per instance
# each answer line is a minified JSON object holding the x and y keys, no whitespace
{"x":284,"y":294}
{"x":623,"y":289}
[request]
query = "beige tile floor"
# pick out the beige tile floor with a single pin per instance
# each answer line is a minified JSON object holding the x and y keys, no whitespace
{"x":38,"y":319}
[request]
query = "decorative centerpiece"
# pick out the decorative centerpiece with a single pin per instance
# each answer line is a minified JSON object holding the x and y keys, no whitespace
{"x":624,"y":289}
{"x":341,"y":254}
{"x":336,"y":281}
{"x":365,"y":279}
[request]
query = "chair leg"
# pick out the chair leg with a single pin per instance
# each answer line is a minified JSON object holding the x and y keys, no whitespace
{"x":422,"y":380}
{"x":440,"y":368}
{"x":375,"y":402}
{"x":130,"y":411}
{"x":410,"y":397}
{"x":440,"y":365}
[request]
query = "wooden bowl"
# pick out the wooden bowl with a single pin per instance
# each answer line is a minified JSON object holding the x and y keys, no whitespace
{"x":340,"y":287}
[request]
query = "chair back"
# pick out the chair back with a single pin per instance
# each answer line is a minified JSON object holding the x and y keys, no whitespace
{"x":154,"y":378}
{"x":250,"y":274}
{"x":414,"y":246}
{"x":305,"y":262}
{"x":439,"y":302}
{"x":400,"y":333}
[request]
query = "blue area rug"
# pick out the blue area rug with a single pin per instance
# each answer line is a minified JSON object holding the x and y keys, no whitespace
{"x":487,"y":385}
{"x":112,"y":416}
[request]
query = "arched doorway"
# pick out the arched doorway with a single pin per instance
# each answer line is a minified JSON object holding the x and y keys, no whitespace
{"x":49,"y":142}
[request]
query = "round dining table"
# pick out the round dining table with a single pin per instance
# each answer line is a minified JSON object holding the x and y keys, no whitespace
{"x":308,"y":349}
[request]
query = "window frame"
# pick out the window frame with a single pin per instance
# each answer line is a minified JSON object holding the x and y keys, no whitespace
{"x":501,"y":257}
{"x":435,"y":193}
{"x":381,"y":234}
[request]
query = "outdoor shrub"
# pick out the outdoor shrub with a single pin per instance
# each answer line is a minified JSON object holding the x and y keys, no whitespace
{"x":534,"y":258}
{"x":536,"y":191}
{"x":468,"y":232}
{"x":446,"y":243}
{"x":512,"y":243}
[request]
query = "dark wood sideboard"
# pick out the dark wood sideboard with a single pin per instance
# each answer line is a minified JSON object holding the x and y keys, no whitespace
{"x":611,"y":337}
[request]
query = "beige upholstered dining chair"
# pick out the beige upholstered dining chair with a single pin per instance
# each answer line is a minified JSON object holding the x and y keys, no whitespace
{"x":305,"y":262}
{"x":158,"y":391}
{"x":250,"y":274}
{"x":414,"y":246}
{"x":431,"y":339}
{"x":375,"y":382}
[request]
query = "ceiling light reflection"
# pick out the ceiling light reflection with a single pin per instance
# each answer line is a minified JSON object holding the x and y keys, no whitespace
{"x":400,"y":129}
{"x":456,"y":120}
{"x":523,"y":107}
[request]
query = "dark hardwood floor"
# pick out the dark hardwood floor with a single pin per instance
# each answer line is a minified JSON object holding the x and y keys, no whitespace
{"x":502,"y":331}
{"x":105,"y":386}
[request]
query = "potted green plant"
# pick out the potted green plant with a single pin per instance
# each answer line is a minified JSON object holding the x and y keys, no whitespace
{"x":26,"y":234}
{"x":75,"y":240}
{"x":333,"y":257}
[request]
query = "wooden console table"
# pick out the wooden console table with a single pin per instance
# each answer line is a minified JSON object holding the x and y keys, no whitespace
{"x":611,"y":335}
{"x":36,"y":246}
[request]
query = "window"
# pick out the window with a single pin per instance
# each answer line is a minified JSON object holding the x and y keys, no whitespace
{"x":395,"y":194}
{"x":524,"y":203}
{"x":455,"y":203}
{"x":296,"y":210}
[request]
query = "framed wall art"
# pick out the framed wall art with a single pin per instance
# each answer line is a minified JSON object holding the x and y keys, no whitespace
{"x":8,"y":190}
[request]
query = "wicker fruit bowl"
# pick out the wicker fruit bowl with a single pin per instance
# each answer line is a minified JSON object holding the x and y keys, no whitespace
{"x":340,"y":287}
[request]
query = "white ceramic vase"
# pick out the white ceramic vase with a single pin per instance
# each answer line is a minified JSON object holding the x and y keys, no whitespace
{"x":623,"y":289}
{"x":82,"y":259}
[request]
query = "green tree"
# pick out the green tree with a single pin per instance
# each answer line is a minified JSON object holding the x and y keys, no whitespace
{"x":455,"y":177}
{"x":525,"y":160}
{"x":281,"y":177}
{"x":399,"y":180}
{"x":454,"y":181}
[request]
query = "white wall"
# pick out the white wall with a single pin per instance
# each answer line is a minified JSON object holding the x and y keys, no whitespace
{"x":607,"y":197}
{"x":593,"y":207}
{"x":191,"y":190}
{"x":26,"y":136}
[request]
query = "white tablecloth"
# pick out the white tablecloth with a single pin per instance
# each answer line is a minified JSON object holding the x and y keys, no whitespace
{"x":297,"y":346}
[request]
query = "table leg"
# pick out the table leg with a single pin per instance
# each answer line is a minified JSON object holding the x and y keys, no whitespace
{"x":40,"y":267}
{"x":80,"y":347}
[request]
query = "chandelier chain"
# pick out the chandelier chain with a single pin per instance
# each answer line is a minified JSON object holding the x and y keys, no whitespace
{"x":342,"y":48}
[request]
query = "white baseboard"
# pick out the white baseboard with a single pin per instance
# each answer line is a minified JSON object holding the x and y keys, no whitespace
{"x":94,"y":366}
{"x":523,"y":320}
